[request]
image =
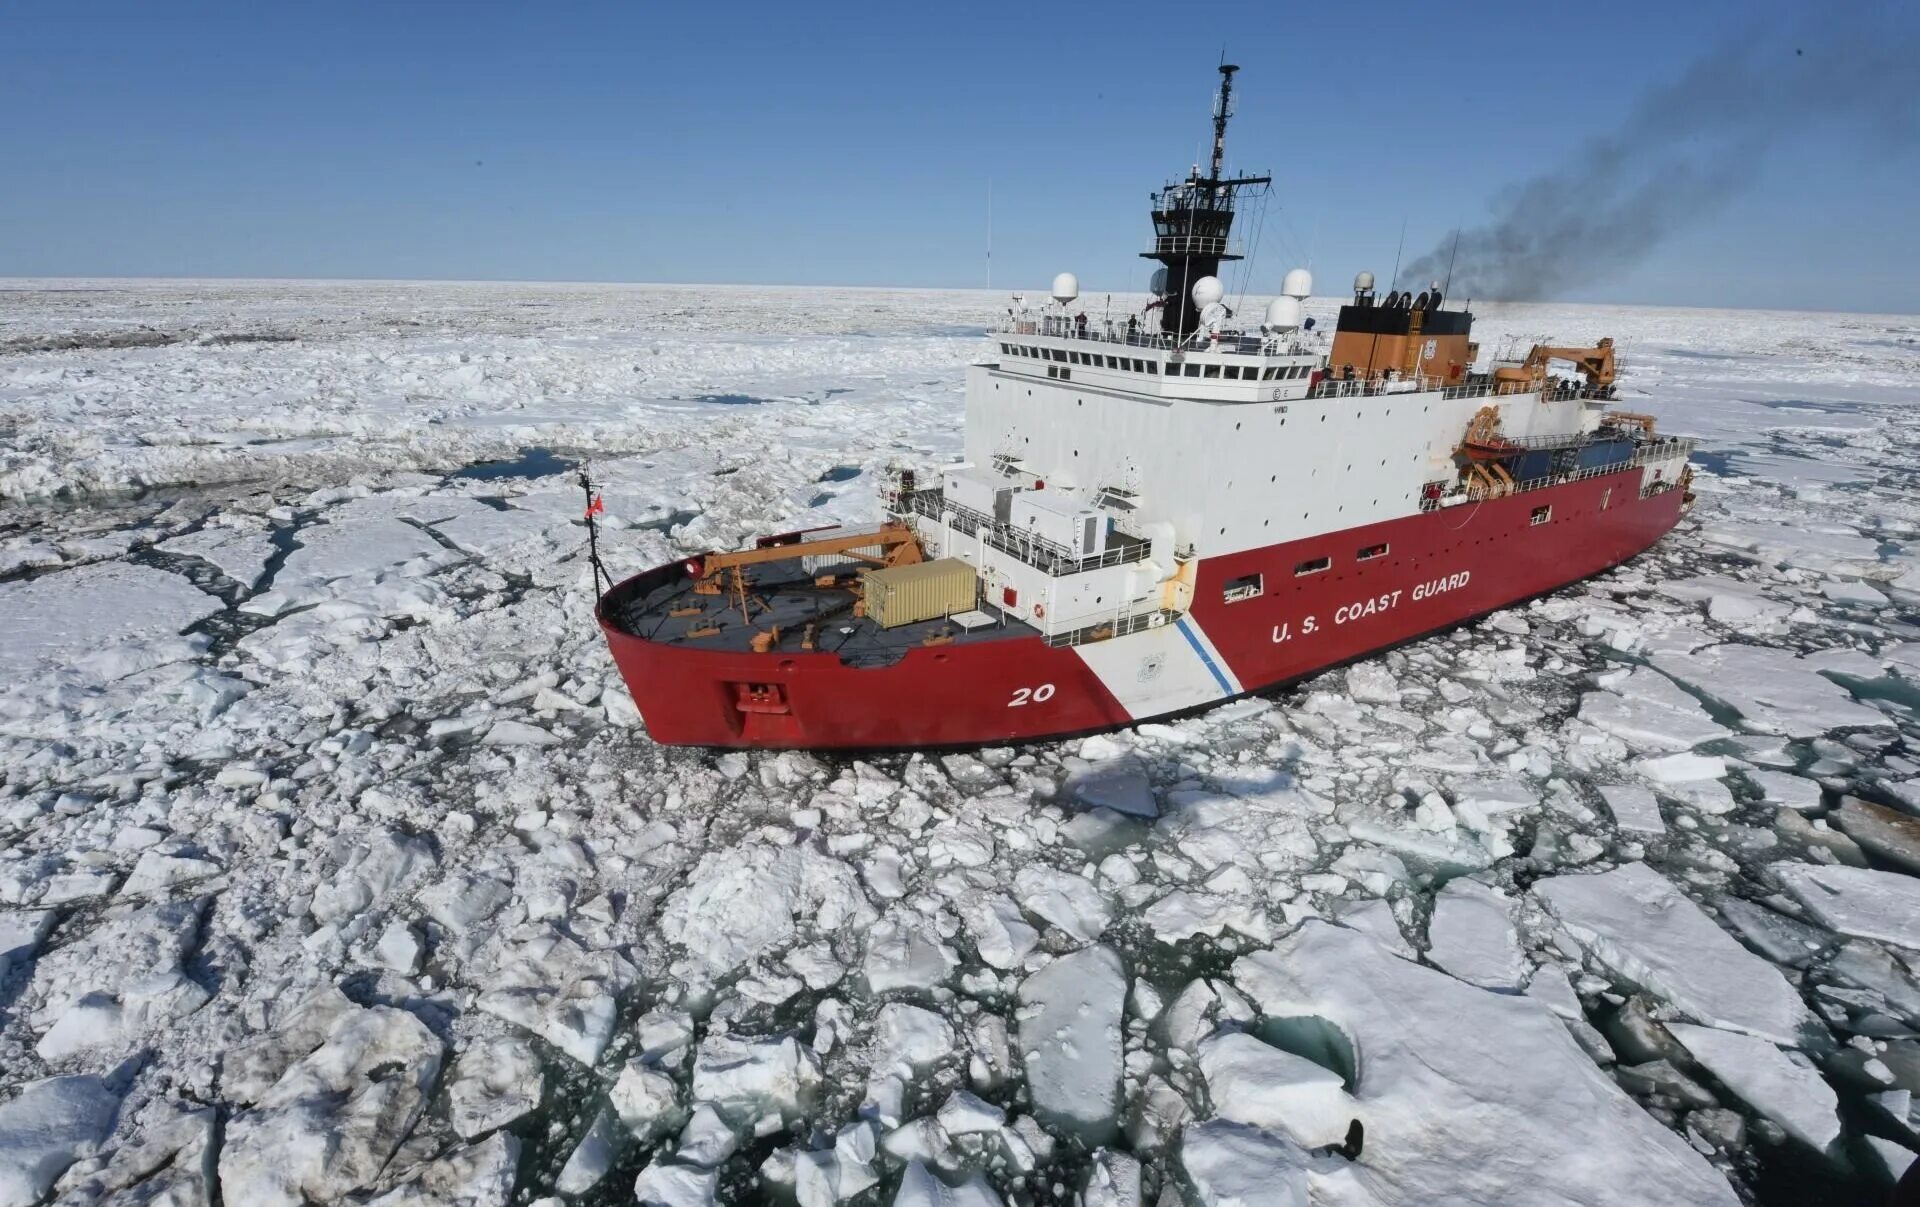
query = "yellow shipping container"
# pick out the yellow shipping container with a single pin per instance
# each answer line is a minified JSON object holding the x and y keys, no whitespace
{"x":901,"y":595}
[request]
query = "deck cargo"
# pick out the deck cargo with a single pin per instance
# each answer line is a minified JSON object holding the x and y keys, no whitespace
{"x":900,"y":595}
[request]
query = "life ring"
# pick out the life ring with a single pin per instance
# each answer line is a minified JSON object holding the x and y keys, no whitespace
{"x":1039,"y":611}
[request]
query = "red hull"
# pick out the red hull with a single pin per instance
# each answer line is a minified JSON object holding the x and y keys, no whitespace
{"x":1488,"y":555}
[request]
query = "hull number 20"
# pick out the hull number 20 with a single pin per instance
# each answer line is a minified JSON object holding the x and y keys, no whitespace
{"x":1033,"y":695}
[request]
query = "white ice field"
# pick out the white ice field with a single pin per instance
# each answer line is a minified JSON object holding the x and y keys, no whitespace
{"x":335,"y":867}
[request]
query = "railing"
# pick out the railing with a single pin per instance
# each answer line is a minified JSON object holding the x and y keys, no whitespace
{"x":1050,"y":556}
{"x":1664,"y":449}
{"x":1108,"y":627}
{"x":1224,"y":246}
{"x":1332,"y":387}
{"x":1106,"y":331}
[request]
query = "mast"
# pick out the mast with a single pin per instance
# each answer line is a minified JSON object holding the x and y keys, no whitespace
{"x":1222,"y":110}
{"x":1192,"y":220}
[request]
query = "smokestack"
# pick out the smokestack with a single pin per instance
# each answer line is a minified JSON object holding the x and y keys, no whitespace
{"x":1684,"y":151}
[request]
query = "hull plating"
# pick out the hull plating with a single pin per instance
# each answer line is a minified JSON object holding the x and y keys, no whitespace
{"x":1437,"y":569}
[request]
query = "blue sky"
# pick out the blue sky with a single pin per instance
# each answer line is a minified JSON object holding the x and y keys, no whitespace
{"x":789,"y":143}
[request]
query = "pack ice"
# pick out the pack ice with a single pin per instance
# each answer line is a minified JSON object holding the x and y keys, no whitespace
{"x":336,"y":864}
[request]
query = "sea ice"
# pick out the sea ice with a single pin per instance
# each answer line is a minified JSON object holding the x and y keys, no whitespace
{"x":494,"y":1082}
{"x":921,"y":1187}
{"x":1255,"y":1083}
{"x":753,"y":1075}
{"x":1857,"y":901}
{"x":1471,"y":935}
{"x":1775,"y":690}
{"x":1633,"y":921}
{"x":47,"y":1127}
{"x":1456,"y":1090}
{"x":1070,"y":1035}
{"x":1790,"y":1093}
{"x":328,"y":1126}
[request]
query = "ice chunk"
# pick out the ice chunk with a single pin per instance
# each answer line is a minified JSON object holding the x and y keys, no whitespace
{"x":368,"y":869}
{"x":668,"y":1185}
{"x":123,"y":978}
{"x":1790,"y":1093}
{"x":561,"y":992}
{"x":1070,"y":902}
{"x":21,"y":933}
{"x":1861,"y":902}
{"x":1775,"y":690}
{"x":1070,"y":1034}
{"x":902,"y":953}
{"x":1647,"y":712}
{"x":1633,"y":808}
{"x":1372,"y":683}
{"x":909,"y":1036}
{"x":592,"y":1157}
{"x":1375,"y":919}
{"x":1635,"y":922}
{"x":999,"y":930}
{"x":743,"y":901}
{"x":1256,"y":1083}
{"x":755,"y":1075}
{"x":47,"y":1127}
{"x":1113,"y":1180}
{"x":494,"y":1082}
{"x":60,"y":616}
{"x":921,"y":1187}
{"x":476,"y":1175}
{"x":1234,"y":1165}
{"x":1471,"y":935}
{"x":1892,"y":835}
{"x":169,"y":1156}
{"x":963,"y":1114}
{"x":1453,"y":1082}
{"x":1120,"y":784}
{"x":645,"y":1099}
{"x":329,"y":1125}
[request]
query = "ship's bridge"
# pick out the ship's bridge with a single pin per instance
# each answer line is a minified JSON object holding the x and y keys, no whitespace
{"x":1226,"y":366}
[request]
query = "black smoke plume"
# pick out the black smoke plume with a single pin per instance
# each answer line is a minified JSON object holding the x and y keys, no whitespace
{"x":1683,"y":151}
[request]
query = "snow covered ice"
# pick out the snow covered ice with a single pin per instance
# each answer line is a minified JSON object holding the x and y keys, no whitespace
{"x":335,"y":863}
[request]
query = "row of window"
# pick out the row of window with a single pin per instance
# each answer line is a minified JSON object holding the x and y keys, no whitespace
{"x":1249,"y":586}
{"x":1134,"y":364}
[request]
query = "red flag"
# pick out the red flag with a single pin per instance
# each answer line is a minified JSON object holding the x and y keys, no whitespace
{"x":597,"y":507}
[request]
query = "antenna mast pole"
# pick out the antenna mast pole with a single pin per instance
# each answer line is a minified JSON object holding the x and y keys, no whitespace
{"x":1222,"y":110}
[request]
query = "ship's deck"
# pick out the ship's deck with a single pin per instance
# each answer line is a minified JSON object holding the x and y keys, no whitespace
{"x":663,"y":606}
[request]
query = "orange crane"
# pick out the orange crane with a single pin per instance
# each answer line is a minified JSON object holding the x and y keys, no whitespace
{"x":1595,"y":364}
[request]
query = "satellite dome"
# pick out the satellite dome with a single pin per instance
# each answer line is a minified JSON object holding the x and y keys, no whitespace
{"x":1298,"y":284}
{"x":1158,"y":284}
{"x":1066,"y":287}
{"x":1362,"y":282}
{"x":1207,"y":291}
{"x":1283,"y":314}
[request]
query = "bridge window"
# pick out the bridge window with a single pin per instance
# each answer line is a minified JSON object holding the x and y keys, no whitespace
{"x":1247,"y":586}
{"x":1193,"y":370}
{"x":1315,"y":566}
{"x":1213,"y":371}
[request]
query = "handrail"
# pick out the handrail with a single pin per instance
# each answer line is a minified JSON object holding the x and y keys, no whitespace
{"x":1105,"y":331}
{"x":1037,"y":551}
{"x":1665,"y":448}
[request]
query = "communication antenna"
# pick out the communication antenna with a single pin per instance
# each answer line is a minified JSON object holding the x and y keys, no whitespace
{"x":989,"y":232}
{"x":1451,"y":257}
{"x":1395,"y":278}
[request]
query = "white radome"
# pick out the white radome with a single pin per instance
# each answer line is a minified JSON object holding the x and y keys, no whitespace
{"x":1284,"y":314}
{"x":1298,"y":284}
{"x":1157,"y":285}
{"x":1207,"y":291}
{"x":1362,"y":282}
{"x":1066,"y":287}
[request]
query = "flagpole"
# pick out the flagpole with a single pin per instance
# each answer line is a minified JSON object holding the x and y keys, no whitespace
{"x":595,"y":506}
